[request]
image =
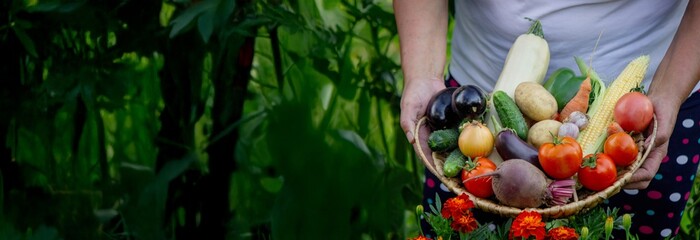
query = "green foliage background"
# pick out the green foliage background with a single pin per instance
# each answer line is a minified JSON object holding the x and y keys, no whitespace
{"x":177,"y":119}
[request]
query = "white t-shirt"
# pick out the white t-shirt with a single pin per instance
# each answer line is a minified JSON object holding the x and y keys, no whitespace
{"x":485,"y":30}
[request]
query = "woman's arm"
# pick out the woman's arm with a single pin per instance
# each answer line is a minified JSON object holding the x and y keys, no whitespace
{"x":422,"y":26}
{"x":675,"y":78}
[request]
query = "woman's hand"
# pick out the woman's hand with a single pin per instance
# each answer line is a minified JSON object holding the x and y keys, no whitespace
{"x":414,"y":103}
{"x":666,"y":114}
{"x":422,"y":26}
{"x":675,"y":78}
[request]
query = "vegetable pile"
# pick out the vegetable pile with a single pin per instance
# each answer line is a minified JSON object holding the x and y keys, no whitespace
{"x":533,"y":143}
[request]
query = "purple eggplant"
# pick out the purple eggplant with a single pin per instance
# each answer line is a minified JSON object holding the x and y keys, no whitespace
{"x":469,"y":101}
{"x":510,"y":146}
{"x":440,"y":113}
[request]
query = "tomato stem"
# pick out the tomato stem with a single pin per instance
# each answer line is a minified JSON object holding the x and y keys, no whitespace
{"x":639,"y":88}
{"x":470,"y":164}
{"x":589,"y":161}
{"x":555,"y":139}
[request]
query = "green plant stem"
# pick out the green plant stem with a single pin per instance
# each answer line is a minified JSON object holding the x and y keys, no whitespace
{"x":535,"y":28}
{"x":277,"y":57}
{"x":101,"y":148}
{"x":382,"y":131}
{"x":420,"y":228}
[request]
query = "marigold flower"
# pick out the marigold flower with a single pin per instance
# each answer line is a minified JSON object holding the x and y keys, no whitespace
{"x":609,"y":224}
{"x":457,"y":206}
{"x":562,"y":233}
{"x":626,"y":221}
{"x":527,"y":224}
{"x":465,"y":223}
{"x":419,"y":210}
{"x":420,"y":237}
{"x":584,"y":232}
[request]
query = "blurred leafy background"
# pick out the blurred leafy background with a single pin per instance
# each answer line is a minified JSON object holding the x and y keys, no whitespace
{"x":230,"y":119}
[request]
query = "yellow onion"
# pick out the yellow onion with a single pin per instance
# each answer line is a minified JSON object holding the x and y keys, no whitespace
{"x":475,"y":140}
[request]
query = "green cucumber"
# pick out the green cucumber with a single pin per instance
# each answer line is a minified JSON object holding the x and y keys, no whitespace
{"x":443,"y":140}
{"x":453,"y":163}
{"x":510,"y":114}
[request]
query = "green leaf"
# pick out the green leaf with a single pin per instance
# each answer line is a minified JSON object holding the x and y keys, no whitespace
{"x":186,"y":18}
{"x":56,"y":6}
{"x":272,"y":185}
{"x":225,"y":9}
{"x":44,"y":233}
{"x":352,"y":137}
{"x":26,"y":41}
{"x":174,"y":168}
{"x":205,"y":24}
{"x":229,"y":129}
{"x":104,"y":215}
{"x":33,"y":174}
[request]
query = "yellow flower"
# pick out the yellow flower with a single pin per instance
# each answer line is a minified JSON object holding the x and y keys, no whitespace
{"x":584,"y":232}
{"x":627,"y":221}
{"x":609,"y":223}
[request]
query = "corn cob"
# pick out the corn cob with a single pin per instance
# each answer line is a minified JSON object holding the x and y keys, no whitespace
{"x":593,"y":136}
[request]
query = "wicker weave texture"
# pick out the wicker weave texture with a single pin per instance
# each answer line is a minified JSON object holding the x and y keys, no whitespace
{"x":434,"y":161}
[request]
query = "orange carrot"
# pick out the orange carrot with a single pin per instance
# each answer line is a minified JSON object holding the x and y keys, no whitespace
{"x":578,"y":102}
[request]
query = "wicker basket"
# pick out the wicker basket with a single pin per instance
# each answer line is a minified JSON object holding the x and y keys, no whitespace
{"x":583,"y":201}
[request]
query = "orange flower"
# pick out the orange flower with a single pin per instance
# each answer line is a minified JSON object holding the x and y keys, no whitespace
{"x":562,"y":233}
{"x":526,"y":224}
{"x":465,"y":223}
{"x":420,"y":237}
{"x":457,"y":206}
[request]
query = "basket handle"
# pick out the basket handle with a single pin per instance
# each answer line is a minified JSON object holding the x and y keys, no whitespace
{"x":421,"y":134}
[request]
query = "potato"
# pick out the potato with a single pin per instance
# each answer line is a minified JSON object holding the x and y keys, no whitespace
{"x":535,"y":101}
{"x":542,"y":132}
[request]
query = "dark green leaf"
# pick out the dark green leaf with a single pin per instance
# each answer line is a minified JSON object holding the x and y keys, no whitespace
{"x":175,"y":167}
{"x":235,"y":125}
{"x":26,"y":41}
{"x":44,"y":233}
{"x":104,"y":215}
{"x":186,"y":18}
{"x":136,"y":167}
{"x":356,"y":140}
{"x":24,"y":24}
{"x":224,"y":10}
{"x":272,"y":185}
{"x":56,"y":6}
{"x":205,"y":24}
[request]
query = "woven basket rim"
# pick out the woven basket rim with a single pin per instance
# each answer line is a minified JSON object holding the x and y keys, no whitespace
{"x":434,"y":162}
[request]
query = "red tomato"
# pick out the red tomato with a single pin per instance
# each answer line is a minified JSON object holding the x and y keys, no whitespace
{"x":562,"y":158}
{"x":633,"y":111}
{"x":621,"y":148}
{"x":480,"y":187}
{"x":597,"y":172}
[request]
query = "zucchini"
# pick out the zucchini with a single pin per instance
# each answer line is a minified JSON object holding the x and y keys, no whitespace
{"x":453,"y":163}
{"x":527,"y":61}
{"x":510,"y":114}
{"x":443,"y":140}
